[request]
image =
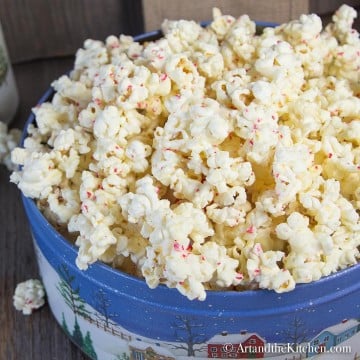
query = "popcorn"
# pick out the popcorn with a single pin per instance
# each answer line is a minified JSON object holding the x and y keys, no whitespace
{"x":72,"y":91}
{"x":303,"y":260}
{"x":137,"y":152}
{"x":238,"y":46}
{"x":65,"y":203}
{"x":94,"y":53}
{"x":8,"y":141}
{"x":221,"y":24}
{"x":210,"y":159}
{"x":289,"y":167}
{"x":38,"y":175}
{"x":263,"y":267}
{"x":258,"y":126}
{"x":29,"y":296}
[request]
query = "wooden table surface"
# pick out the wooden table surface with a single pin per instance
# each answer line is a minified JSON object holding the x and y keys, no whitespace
{"x":38,"y":336}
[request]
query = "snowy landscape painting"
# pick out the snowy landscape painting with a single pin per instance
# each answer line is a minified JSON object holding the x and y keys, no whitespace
{"x":95,"y":325}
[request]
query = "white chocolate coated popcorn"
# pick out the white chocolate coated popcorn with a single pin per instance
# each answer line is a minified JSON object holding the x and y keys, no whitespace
{"x":9,"y":139}
{"x":212,"y":158}
{"x":29,"y":296}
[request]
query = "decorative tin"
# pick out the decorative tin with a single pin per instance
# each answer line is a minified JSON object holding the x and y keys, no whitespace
{"x":111,"y":315}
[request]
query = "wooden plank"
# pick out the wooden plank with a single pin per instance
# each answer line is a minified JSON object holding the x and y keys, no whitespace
{"x":33,"y":79}
{"x":155,"y":11}
{"x":297,"y":8}
{"x":322,"y":7}
{"x":41,"y":28}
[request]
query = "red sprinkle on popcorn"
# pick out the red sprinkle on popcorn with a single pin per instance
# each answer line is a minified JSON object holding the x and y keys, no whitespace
{"x":239,"y":276}
{"x":177,"y":246}
{"x":114,"y":45}
{"x":250,"y":229}
{"x":257,"y":249}
{"x":98,"y":101}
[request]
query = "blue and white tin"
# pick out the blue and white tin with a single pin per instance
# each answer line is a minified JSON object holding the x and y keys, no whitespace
{"x":111,"y":315}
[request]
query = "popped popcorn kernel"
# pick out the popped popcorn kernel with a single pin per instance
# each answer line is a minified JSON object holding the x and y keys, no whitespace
{"x":9,"y":140}
{"x":29,"y":296}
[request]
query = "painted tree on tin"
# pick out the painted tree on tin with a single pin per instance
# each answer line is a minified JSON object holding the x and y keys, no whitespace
{"x":77,"y":335}
{"x":85,"y":343}
{"x":102,"y":305}
{"x":71,"y":296}
{"x":64,"y":325}
{"x":296,"y":333}
{"x":188,"y":332}
{"x":88,"y":346}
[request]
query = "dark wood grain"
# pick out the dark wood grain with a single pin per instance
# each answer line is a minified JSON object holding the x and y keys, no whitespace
{"x":261,"y":10}
{"x":35,"y":337}
{"x":41,"y":28}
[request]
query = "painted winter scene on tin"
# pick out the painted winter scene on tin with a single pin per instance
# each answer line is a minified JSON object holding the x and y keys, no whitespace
{"x":93,"y":325}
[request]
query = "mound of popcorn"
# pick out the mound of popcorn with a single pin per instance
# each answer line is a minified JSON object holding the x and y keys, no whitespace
{"x":213,"y":158}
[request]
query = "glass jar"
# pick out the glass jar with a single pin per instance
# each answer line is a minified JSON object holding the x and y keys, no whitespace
{"x":9,"y":97}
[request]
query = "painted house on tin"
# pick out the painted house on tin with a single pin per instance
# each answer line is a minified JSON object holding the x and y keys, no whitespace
{"x":332,"y":336}
{"x":236,"y":346}
{"x":141,"y":350}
